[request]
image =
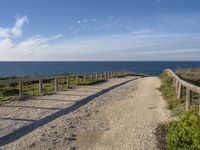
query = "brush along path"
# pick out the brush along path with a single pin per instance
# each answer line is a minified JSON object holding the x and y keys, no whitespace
{"x":123,"y":118}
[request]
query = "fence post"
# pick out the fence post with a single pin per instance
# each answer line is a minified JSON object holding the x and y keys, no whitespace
{"x":179,"y":94}
{"x":188,"y":97}
{"x":68,"y":81}
{"x":20,"y":89}
{"x":101,"y":76}
{"x":105,"y":75}
{"x":56,"y":84}
{"x":174,"y":81}
{"x":77,"y":79}
{"x":199,"y":106}
{"x":85,"y":78}
{"x":40,"y":86}
{"x":96,"y":75}
{"x":176,"y":86}
{"x":91,"y":76}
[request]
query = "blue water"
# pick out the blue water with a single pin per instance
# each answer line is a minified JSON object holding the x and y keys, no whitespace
{"x":53,"y":68}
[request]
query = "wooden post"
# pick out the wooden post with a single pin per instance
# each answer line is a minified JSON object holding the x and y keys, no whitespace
{"x":101,"y":76}
{"x":199,"y":106}
{"x":188,"y":97}
{"x":77,"y":80}
{"x":96,"y":75}
{"x":105,"y":75}
{"x":174,"y":81}
{"x":68,"y":84}
{"x":180,"y":88}
{"x":40,"y":86}
{"x":177,"y":83}
{"x":85,"y":78}
{"x":91,"y":76}
{"x":20,"y":89}
{"x":56,"y":84}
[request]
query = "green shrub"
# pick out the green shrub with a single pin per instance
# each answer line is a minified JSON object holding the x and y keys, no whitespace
{"x":184,"y":134}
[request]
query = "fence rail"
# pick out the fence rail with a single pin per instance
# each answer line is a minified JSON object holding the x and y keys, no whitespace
{"x":180,"y":85}
{"x":85,"y":77}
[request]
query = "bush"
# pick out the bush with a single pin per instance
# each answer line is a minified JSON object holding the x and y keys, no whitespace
{"x":184,"y":134}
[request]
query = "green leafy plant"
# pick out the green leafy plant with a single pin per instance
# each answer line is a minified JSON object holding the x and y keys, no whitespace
{"x":184,"y":134}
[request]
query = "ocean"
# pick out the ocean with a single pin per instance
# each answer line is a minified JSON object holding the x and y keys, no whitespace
{"x":53,"y":68}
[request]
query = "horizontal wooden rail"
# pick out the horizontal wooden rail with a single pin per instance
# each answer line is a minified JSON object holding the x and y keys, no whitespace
{"x":85,"y":77}
{"x":180,"y":85}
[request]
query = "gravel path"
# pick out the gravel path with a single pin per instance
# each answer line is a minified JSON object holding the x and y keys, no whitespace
{"x":114,"y":117}
{"x":132,"y":117}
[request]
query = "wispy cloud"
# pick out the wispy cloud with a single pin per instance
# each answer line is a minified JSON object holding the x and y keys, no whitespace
{"x":10,"y":47}
{"x":136,"y":44}
{"x":129,"y":46}
{"x":14,"y":31}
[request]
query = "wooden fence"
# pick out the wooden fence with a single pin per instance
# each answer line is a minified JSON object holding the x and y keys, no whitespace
{"x":97,"y":76}
{"x":181,"y":85}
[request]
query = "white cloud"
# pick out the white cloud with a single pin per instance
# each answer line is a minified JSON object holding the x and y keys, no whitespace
{"x":79,"y":22}
{"x":14,"y":31}
{"x":17,"y":29}
{"x":9,"y":46}
{"x":6,"y":44}
{"x":143,"y":44}
{"x":4,"y":32}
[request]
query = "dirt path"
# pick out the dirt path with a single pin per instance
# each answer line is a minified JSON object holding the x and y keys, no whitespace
{"x":132,"y":119}
{"x":118,"y":115}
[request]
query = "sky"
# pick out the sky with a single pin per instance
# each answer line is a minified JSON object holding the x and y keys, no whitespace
{"x":99,"y":30}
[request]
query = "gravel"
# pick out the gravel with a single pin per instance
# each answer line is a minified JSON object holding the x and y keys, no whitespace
{"x":123,"y":117}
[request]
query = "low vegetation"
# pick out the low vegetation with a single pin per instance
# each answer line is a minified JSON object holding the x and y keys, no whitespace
{"x":183,"y":133}
{"x":168,"y":91}
{"x":191,"y":75}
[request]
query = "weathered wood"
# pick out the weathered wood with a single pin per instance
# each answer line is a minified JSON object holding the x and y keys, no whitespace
{"x":188,"y":98}
{"x":20,"y":89}
{"x":109,"y":75}
{"x":40,"y":87}
{"x":177,"y":84}
{"x":96,"y":76}
{"x":192,"y":87}
{"x":68,"y":81}
{"x":56,"y":84}
{"x":174,"y":81}
{"x":106,"y":75}
{"x":199,"y":106}
{"x":101,"y":76}
{"x":85,"y":78}
{"x":77,"y":80}
{"x":180,"y":91}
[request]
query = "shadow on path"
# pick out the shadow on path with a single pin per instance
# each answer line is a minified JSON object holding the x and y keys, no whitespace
{"x":17,"y":119}
{"x":32,"y":107}
{"x":20,"y":132}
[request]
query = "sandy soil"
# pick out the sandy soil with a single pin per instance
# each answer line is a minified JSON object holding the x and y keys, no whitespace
{"x":108,"y":117}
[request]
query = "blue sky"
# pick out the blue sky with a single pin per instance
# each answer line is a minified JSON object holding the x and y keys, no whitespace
{"x":82,"y":30}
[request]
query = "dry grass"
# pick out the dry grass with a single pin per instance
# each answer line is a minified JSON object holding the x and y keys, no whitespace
{"x":191,"y":75}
